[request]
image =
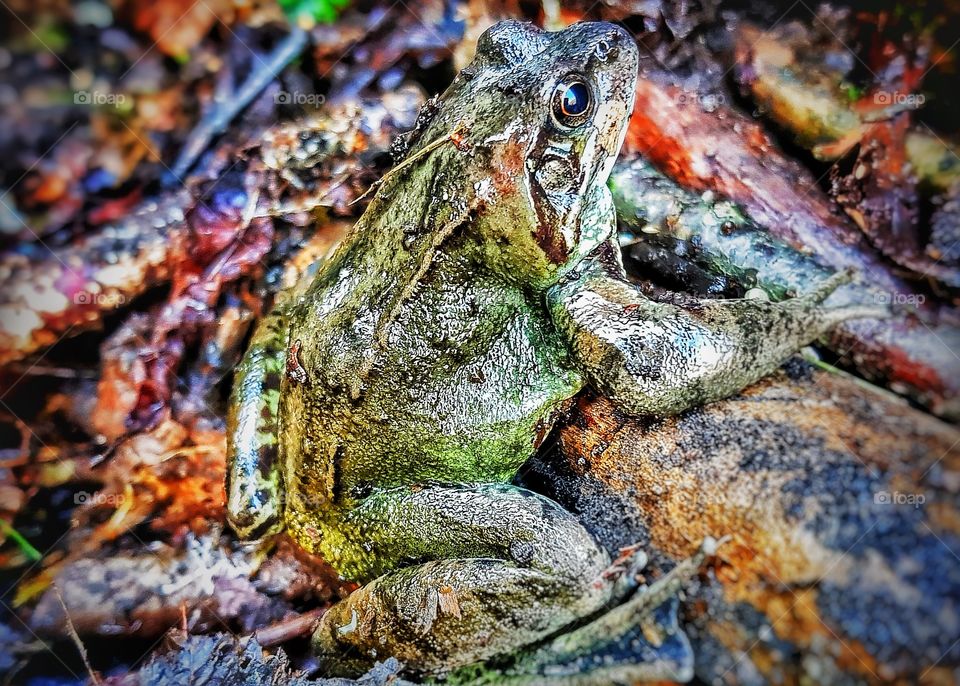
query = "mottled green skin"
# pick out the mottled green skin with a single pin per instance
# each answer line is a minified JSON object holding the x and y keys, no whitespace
{"x":388,"y":400}
{"x":461,"y":396}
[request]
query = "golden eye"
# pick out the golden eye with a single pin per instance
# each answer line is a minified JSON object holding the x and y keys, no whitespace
{"x":572,"y":102}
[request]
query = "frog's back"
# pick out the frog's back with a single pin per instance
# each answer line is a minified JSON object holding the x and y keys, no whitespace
{"x":458,"y":383}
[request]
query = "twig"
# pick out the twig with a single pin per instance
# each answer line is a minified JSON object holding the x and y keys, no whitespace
{"x":72,"y":631}
{"x":809,"y":355}
{"x":223,"y":113}
{"x":288,"y":629}
{"x":53,"y":372}
{"x":455,"y":137}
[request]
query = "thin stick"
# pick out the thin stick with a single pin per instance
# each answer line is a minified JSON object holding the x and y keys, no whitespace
{"x":454,"y":137}
{"x":809,"y":355}
{"x":72,"y":631}
{"x":288,"y":629}
{"x":224,"y":112}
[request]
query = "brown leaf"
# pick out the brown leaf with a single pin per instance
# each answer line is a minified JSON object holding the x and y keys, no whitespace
{"x":178,"y":25}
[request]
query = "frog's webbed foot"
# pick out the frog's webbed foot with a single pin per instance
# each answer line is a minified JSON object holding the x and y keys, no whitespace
{"x":661,"y":359}
{"x":500,"y":570}
{"x":638,"y":640}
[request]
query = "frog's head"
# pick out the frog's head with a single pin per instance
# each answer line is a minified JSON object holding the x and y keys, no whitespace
{"x":547,"y":113}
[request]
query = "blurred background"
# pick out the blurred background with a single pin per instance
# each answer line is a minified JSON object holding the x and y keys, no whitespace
{"x":771,"y":145}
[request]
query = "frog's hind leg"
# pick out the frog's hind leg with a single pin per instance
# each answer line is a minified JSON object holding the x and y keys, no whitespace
{"x":254,"y":480}
{"x":492,"y":568}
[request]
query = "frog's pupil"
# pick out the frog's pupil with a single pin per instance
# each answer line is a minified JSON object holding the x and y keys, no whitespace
{"x":575,"y":99}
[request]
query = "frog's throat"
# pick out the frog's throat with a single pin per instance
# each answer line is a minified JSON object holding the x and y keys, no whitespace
{"x":598,"y":223}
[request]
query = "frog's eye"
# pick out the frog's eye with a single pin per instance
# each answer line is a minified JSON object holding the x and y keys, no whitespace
{"x":572,"y":102}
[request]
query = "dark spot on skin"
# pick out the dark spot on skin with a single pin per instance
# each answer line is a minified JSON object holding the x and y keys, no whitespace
{"x":271,"y":382}
{"x":252,"y":530}
{"x":607,"y":257}
{"x":551,"y":242}
{"x":266,"y":456}
{"x":361,"y":490}
{"x":335,"y":465}
{"x":261,"y":530}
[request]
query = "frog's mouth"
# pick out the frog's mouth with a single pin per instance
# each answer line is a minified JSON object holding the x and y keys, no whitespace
{"x":556,"y":180}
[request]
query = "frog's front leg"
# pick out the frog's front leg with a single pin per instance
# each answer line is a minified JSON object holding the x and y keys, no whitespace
{"x":490,"y":568}
{"x":254,"y":479}
{"x":660,"y":359}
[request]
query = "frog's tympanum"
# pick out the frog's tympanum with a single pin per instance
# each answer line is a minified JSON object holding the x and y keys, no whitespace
{"x":390,"y":397}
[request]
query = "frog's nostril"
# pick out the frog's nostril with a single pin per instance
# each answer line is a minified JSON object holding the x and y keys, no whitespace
{"x":605,"y":49}
{"x":622,"y":44}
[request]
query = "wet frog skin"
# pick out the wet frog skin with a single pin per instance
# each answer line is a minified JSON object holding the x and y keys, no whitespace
{"x":389,"y":398}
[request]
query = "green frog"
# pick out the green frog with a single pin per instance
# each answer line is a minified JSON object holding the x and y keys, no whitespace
{"x":389,"y":399}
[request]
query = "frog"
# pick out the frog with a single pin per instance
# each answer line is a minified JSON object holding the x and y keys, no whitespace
{"x":389,"y":399}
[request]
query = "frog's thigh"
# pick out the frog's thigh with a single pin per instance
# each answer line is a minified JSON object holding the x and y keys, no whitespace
{"x":515,"y":567}
{"x":254,"y":482}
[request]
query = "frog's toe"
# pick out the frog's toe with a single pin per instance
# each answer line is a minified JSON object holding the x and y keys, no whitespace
{"x":825,"y":288}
